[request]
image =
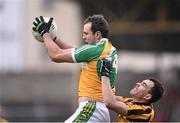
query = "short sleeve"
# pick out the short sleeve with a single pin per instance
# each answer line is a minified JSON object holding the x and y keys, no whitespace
{"x":87,"y":53}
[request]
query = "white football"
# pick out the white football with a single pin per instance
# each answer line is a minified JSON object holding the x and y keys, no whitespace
{"x":52,"y":31}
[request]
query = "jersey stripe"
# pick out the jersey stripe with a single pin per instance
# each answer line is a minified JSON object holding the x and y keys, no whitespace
{"x":87,"y":112}
{"x":73,"y":56}
{"x":139,"y":111}
{"x":138,"y":120}
{"x":85,"y":47}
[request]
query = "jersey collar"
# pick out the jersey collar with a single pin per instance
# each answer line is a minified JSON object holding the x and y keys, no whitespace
{"x":141,"y":103}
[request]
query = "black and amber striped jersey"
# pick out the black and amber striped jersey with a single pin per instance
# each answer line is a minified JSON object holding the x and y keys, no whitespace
{"x":137,"y":112}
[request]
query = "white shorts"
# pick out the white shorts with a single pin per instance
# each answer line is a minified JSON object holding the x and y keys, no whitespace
{"x":90,"y":111}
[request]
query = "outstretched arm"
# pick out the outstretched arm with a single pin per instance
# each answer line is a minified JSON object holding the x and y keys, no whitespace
{"x":109,"y":98}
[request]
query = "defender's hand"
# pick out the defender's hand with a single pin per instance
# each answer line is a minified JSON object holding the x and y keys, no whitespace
{"x":106,"y":65}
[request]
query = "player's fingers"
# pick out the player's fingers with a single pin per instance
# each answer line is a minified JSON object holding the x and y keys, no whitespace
{"x":50,"y":21}
{"x":33,"y":28}
{"x":37,"y":19}
{"x":42,"y":19}
{"x":35,"y":24}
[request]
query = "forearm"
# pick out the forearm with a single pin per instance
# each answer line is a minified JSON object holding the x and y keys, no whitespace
{"x":62,"y":44}
{"x":52,"y":47}
{"x":110,"y":99}
{"x":55,"y":52}
{"x":108,"y":95}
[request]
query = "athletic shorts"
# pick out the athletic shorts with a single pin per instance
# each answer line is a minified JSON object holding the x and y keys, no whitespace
{"x":90,"y":111}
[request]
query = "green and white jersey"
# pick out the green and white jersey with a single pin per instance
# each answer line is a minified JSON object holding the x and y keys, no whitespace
{"x":90,"y":57}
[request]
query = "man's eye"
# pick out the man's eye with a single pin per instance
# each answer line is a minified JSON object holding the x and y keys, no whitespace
{"x":144,"y":85}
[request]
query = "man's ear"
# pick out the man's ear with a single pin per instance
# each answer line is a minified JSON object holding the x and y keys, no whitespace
{"x":98,"y":35}
{"x":147,"y":97}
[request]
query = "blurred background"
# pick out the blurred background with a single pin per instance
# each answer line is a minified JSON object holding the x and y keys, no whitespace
{"x":146,"y":34}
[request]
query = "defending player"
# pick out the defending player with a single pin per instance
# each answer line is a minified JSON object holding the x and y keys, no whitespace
{"x":95,"y":35}
{"x":138,"y":108}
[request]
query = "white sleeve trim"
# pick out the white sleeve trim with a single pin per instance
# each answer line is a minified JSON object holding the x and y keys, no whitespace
{"x":73,"y":54}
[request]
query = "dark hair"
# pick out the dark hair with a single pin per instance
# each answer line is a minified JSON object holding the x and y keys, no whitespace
{"x":156,"y":91}
{"x":99,"y":23}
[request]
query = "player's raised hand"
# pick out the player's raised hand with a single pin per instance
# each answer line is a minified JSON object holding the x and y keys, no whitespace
{"x":106,"y":65}
{"x":41,"y":26}
{"x":36,"y":23}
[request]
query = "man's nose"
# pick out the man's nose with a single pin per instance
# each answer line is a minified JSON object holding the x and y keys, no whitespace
{"x":83,"y":37}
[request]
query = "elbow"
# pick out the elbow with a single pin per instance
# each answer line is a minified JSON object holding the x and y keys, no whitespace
{"x":54,"y":58}
{"x":108,"y":102}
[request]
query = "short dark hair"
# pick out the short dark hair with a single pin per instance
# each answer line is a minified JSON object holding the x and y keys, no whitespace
{"x":99,"y":23}
{"x":156,"y":91}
